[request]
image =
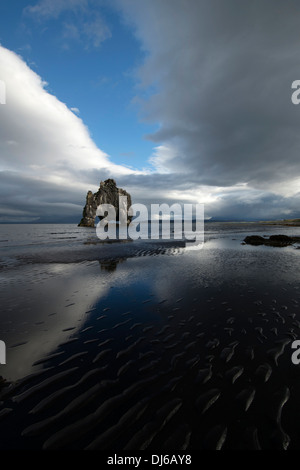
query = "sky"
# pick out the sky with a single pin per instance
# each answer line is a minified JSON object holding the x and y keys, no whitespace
{"x":183,"y":101}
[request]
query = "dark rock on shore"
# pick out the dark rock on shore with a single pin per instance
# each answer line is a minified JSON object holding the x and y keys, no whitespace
{"x":108,"y":193}
{"x":273,"y":240}
{"x":254,"y":240}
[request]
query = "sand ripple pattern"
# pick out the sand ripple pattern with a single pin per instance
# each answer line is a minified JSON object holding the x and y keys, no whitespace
{"x":205,"y":374}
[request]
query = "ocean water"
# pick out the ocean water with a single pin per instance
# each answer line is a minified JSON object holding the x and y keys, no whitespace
{"x":150,"y":325}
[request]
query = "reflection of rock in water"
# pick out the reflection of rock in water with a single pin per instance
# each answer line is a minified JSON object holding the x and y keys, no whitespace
{"x":110,"y":265}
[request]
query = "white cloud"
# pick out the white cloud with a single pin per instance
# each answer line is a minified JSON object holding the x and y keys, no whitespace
{"x":47,"y":9}
{"x":43,"y":130}
{"x":161,"y":157}
{"x":46,"y":152}
{"x":84,"y":22}
{"x":96,"y":31}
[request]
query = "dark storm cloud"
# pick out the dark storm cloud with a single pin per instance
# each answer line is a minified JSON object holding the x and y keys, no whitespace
{"x":223,"y":72}
{"x":26,"y":199}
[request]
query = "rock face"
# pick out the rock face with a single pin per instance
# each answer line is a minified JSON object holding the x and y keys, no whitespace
{"x":108,"y":193}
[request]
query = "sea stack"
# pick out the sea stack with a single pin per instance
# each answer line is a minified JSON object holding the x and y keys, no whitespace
{"x":108,"y":193}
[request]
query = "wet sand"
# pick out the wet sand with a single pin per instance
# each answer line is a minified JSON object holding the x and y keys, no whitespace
{"x":163,"y":350}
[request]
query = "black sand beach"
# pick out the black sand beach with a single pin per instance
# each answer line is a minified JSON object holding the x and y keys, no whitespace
{"x":146,"y":346}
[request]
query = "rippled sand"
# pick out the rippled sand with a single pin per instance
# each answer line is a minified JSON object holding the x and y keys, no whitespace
{"x":158,"y":350}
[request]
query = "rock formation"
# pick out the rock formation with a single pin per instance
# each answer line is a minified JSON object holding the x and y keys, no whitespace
{"x":273,"y":240}
{"x":108,"y":193}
